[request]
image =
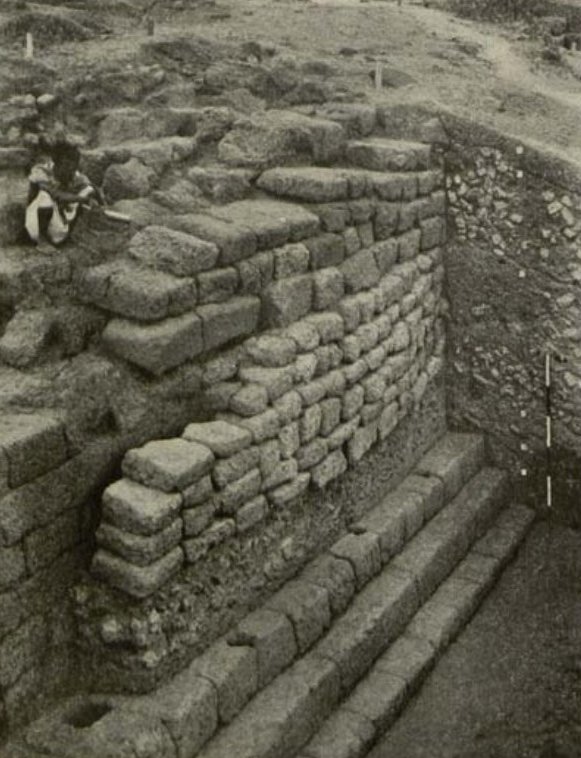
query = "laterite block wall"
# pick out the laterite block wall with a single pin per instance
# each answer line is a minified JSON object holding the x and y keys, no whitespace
{"x":316,"y":316}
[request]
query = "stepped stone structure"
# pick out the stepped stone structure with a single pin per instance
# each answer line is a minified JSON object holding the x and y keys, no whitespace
{"x":261,"y":453}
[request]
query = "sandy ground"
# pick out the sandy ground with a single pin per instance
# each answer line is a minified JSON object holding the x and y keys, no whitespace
{"x":510,"y":686}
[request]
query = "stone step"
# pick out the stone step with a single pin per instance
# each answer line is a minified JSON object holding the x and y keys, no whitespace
{"x":282,"y":716}
{"x":355,"y":583}
{"x":381,"y":696}
{"x":380,"y":154}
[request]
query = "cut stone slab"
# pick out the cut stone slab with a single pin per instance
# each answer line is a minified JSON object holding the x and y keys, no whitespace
{"x":156,"y":347}
{"x":336,"y":576}
{"x":172,"y":251}
{"x":221,"y":438}
{"x":137,"y":549}
{"x":454,"y":460}
{"x":25,"y":337}
{"x":288,"y":300}
{"x":233,"y":670}
{"x":379,"y":154}
{"x":278,"y":719}
{"x":235,"y":241}
{"x":271,"y":634}
{"x":227,"y":321}
{"x":269,"y":231}
{"x":31,"y":445}
{"x":377,"y":615}
{"x":138,"y":293}
{"x":378,"y":698}
{"x":137,"y":509}
{"x":137,"y":581}
{"x":316,"y":185}
{"x":121,"y":732}
{"x":168,"y":465}
{"x":362,"y":552}
{"x":278,"y":137}
{"x":188,"y":708}
{"x":344,"y":735}
{"x":307,"y":607}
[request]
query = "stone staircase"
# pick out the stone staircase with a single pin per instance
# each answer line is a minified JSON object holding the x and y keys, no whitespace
{"x":325,"y":665}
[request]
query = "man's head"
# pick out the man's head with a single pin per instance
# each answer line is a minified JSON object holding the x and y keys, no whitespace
{"x":66,"y":159}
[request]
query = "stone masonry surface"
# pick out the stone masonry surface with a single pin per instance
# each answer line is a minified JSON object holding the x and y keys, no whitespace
{"x":347,"y":352}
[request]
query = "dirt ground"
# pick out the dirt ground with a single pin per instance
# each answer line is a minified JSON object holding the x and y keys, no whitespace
{"x":495,"y":73}
{"x":510,"y":686}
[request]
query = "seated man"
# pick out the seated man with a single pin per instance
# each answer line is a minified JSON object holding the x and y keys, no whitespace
{"x":56,"y":190}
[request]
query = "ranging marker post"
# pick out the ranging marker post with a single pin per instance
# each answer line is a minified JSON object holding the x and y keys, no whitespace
{"x":378,"y":75}
{"x":29,"y":50}
{"x":548,"y":427}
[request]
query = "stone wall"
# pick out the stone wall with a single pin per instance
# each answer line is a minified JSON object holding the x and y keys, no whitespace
{"x":331,"y":295}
